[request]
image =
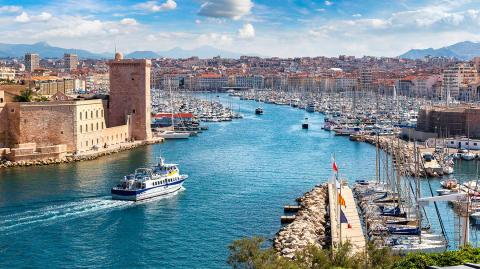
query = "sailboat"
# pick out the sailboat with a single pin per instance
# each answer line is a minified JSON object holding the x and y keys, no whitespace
{"x":172,"y":134}
{"x":468,"y":156}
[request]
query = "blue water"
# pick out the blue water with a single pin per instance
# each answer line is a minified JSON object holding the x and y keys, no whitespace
{"x":241,"y":174}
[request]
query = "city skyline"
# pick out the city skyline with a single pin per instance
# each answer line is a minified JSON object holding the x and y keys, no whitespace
{"x":259,"y":27}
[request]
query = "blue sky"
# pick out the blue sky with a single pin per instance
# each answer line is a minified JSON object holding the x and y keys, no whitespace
{"x":284,"y":28}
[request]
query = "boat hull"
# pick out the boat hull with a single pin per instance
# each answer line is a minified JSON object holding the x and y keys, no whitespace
{"x":142,"y":194}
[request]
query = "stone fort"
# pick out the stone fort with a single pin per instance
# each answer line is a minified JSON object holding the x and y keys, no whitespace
{"x":39,"y":130}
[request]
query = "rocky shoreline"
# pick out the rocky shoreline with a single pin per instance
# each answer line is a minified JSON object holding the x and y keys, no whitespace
{"x":310,"y":227}
{"x":71,"y":158}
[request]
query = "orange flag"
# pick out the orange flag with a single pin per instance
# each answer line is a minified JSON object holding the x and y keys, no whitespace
{"x":341,"y":201}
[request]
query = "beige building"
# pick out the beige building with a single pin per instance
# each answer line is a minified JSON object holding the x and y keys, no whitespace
{"x":39,"y":130}
{"x":457,"y":77}
{"x":49,"y":85}
{"x":7,"y":73}
{"x":70,"y":61}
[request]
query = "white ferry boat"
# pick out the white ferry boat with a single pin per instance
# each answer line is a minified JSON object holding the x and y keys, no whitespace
{"x":145,"y":183}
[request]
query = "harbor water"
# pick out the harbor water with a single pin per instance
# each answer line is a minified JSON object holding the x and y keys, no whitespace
{"x":241,"y":173}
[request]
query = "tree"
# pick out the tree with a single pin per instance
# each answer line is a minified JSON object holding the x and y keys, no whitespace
{"x":25,"y":96}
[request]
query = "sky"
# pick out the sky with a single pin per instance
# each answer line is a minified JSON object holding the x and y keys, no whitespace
{"x":283,"y":28}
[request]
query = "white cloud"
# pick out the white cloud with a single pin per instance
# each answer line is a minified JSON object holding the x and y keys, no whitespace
{"x":129,"y":22}
{"x":246,"y":32}
{"x":151,"y":37}
{"x":358,"y":15}
{"x":10,"y":9}
{"x":214,"y":39}
{"x":23,"y":17}
{"x":153,"y":6}
{"x":233,"y":9}
{"x":44,"y":16}
{"x":328,"y":3}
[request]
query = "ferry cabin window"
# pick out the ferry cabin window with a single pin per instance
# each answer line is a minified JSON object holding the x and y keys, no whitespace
{"x":474,"y":144}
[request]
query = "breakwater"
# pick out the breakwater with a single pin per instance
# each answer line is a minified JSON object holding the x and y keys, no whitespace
{"x":310,"y":227}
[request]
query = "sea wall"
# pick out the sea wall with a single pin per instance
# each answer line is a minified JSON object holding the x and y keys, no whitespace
{"x":76,"y":158}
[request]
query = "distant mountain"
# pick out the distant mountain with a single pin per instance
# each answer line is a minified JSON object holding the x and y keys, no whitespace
{"x":464,"y":51}
{"x":201,"y":52}
{"x":45,"y":51}
{"x":143,"y":55}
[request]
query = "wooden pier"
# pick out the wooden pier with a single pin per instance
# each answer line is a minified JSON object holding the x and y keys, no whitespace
{"x":351,"y":231}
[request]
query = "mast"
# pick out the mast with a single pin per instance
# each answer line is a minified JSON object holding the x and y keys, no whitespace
{"x":417,"y":192}
{"x":172,"y":104}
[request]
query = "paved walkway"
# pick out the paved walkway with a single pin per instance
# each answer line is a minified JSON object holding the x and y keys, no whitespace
{"x":119,"y":146}
{"x":354,"y":234}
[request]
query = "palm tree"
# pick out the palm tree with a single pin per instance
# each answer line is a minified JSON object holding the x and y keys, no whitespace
{"x":25,"y":96}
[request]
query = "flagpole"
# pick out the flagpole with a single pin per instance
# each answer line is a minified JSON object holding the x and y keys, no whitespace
{"x":338,"y":194}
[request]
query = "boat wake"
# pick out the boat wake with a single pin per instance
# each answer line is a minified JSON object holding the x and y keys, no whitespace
{"x":44,"y":215}
{"x":26,"y":220}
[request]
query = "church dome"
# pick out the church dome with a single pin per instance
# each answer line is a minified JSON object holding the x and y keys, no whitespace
{"x":118,"y":56}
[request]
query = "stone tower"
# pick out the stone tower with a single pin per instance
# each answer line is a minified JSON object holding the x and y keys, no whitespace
{"x":130,"y":96}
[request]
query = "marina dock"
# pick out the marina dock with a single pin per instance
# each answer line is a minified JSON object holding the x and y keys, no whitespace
{"x":345,"y":232}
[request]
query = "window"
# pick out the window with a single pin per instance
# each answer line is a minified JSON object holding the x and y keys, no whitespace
{"x":97,"y":126}
{"x":451,"y":142}
{"x":81,"y":127}
{"x":466,"y":143}
{"x":102,"y":112}
{"x":474,"y":144}
{"x":133,"y":111}
{"x":86,"y":127}
{"x":91,"y":114}
{"x":102,"y":125}
{"x":86,"y":143}
{"x":91,"y":125}
{"x":61,"y":132}
{"x":86,"y":115}
{"x":80,"y":115}
{"x":1,"y":100}
{"x":96,"y":112}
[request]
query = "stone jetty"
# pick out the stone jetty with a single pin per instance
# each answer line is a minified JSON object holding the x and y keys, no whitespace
{"x":310,"y":227}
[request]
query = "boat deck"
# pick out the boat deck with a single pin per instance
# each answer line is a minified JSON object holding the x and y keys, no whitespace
{"x":354,"y":234}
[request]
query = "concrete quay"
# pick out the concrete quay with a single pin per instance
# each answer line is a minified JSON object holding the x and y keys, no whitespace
{"x":345,"y":232}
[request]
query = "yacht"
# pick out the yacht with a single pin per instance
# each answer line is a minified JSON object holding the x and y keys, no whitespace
{"x":310,"y":107}
{"x":305,"y":124}
{"x":174,"y":135}
{"x":145,"y":183}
